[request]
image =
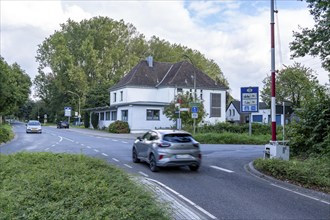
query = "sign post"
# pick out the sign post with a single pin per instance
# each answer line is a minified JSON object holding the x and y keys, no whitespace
{"x":249,"y":102}
{"x":67,"y":113}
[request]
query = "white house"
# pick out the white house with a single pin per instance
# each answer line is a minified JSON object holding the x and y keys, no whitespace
{"x":233,"y":114}
{"x":141,"y":95}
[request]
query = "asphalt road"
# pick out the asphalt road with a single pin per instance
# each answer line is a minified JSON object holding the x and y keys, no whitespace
{"x":223,"y":188}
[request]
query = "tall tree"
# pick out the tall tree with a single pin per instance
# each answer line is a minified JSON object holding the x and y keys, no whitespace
{"x":294,"y":83}
{"x":14,"y":87}
{"x":315,"y":41}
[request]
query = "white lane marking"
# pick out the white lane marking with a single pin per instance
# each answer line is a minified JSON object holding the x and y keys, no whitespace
{"x":320,"y":200}
{"x":222,"y":169}
{"x":68,"y":139}
{"x":127,"y":165}
{"x":47,"y":148}
{"x":114,"y":140}
{"x":88,"y":147}
{"x":185,"y":199}
{"x":82,"y":144}
{"x":105,"y":154}
{"x":61,"y":139}
{"x":115,"y":159}
{"x":143,"y":174}
{"x":124,"y":142}
{"x":77,"y":142}
{"x":96,"y":150}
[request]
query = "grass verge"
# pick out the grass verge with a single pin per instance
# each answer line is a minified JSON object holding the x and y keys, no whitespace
{"x":311,"y":173}
{"x":65,"y":186}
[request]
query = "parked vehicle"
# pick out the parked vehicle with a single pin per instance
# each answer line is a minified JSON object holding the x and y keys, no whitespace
{"x":62,"y":124}
{"x":33,"y":126}
{"x":167,"y":148}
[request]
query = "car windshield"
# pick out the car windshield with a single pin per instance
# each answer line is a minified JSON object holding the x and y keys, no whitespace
{"x":34,"y":123}
{"x":177,"y":138}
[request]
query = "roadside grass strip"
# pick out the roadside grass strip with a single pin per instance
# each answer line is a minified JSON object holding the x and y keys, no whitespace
{"x":65,"y":186}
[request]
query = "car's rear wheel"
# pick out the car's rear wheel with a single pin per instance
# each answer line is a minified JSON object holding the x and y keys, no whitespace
{"x":152,"y":164}
{"x":194,"y":167}
{"x":135,"y":156}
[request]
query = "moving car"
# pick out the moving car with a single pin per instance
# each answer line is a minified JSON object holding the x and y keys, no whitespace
{"x":62,"y":124}
{"x":33,"y":126}
{"x":167,"y":148}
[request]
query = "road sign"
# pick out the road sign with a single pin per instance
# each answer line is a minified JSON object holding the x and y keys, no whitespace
{"x":67,"y":111}
{"x":194,"y":109}
{"x":249,"y":99}
{"x":194,"y":115}
{"x":191,"y":104}
{"x":184,"y":109}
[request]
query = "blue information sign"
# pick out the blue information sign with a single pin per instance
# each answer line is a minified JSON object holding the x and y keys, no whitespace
{"x":194,"y":109}
{"x":249,"y":99}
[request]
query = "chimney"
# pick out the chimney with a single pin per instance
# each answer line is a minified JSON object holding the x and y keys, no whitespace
{"x":149,"y":61}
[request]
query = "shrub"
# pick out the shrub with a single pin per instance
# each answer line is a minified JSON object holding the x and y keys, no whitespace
{"x":6,"y":133}
{"x":86,"y":120}
{"x":119,"y":127}
{"x":95,"y":120}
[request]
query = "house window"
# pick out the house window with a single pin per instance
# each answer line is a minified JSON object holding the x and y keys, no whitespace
{"x":114,"y":97}
{"x":233,"y":112}
{"x":201,"y":95}
{"x":152,"y":115}
{"x":121,"y":95}
{"x":107,"y":116}
{"x":215,"y":105}
{"x":179,"y":90}
{"x":102,"y":116}
{"x":113,"y":115}
{"x":124,"y":115}
{"x":229,"y":112}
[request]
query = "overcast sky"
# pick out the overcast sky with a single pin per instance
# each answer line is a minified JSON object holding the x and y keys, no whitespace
{"x":236,"y":34}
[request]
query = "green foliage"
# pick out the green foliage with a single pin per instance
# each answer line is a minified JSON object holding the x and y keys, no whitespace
{"x":257,"y":128}
{"x":86,"y":119}
{"x":64,"y":186}
{"x":6,"y":133}
{"x":90,"y":56}
{"x":310,"y":135}
{"x":315,"y":41}
{"x":231,"y":138}
{"x":294,"y":83}
{"x":14,"y":89}
{"x":184,"y":99}
{"x":95,"y":120}
{"x":119,"y":127}
{"x":312,"y":173}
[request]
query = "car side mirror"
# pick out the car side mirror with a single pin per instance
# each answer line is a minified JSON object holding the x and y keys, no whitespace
{"x":139,"y":138}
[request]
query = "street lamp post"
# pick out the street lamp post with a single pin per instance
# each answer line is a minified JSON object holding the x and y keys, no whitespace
{"x":186,"y":56}
{"x":78,"y":105}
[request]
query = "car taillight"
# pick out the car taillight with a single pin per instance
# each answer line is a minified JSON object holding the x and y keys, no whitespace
{"x":164,"y":144}
{"x":160,"y":157}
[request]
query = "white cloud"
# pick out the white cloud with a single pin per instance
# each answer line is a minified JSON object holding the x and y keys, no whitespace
{"x":239,"y":41}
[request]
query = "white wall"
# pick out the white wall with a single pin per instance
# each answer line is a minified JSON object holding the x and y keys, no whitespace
{"x":231,"y":117}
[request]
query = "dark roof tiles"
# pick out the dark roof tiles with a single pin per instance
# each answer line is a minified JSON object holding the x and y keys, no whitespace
{"x":163,"y":74}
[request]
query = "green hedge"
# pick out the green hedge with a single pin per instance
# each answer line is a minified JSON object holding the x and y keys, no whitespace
{"x":6,"y":133}
{"x":231,"y":138}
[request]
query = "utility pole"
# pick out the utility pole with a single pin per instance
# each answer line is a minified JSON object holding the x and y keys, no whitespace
{"x":273,"y":100}
{"x":78,"y":105}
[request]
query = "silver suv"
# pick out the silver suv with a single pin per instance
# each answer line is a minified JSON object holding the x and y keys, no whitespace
{"x":165,"y":148}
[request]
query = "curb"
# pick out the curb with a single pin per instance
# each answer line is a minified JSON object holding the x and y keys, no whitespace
{"x":313,"y":194}
{"x":178,"y":206}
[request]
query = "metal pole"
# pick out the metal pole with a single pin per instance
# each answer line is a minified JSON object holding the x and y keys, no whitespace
{"x":273,"y":100}
{"x":283,"y":119}
{"x":250,"y":124}
{"x":78,"y":105}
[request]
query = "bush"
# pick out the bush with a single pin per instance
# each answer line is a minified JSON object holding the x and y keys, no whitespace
{"x":86,"y":120}
{"x":95,"y":120}
{"x":6,"y":133}
{"x":119,"y":127}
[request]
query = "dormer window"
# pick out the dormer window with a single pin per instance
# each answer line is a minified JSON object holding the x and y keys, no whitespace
{"x":121,"y":95}
{"x":179,"y":90}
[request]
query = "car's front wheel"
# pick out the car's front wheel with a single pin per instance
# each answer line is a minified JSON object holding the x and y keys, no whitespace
{"x":135,"y":156}
{"x":152,"y":164}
